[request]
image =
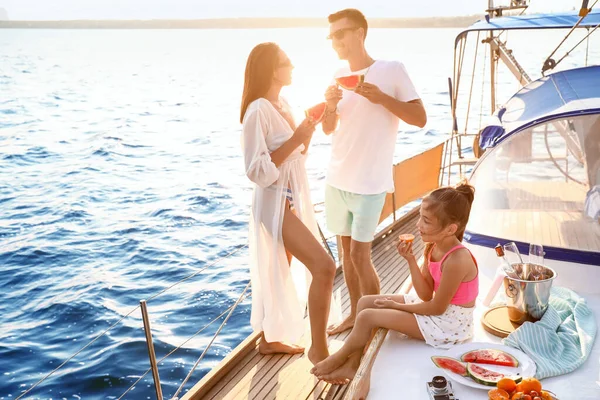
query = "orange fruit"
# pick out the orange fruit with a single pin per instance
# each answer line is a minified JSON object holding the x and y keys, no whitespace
{"x":407,"y":237}
{"x":498,"y":394}
{"x":519,"y":388}
{"x":507,"y":384}
{"x":518,"y":396}
{"x":529,"y":384}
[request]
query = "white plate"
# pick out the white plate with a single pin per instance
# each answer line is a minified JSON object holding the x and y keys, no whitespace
{"x":525,"y":369}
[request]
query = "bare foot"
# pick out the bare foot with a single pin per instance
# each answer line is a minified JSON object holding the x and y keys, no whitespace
{"x":343,"y":374}
{"x":329,"y":364}
{"x":278,"y":347}
{"x":315,"y":355}
{"x":346,"y":324}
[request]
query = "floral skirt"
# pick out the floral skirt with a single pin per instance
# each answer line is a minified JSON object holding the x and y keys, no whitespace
{"x":443,"y":331}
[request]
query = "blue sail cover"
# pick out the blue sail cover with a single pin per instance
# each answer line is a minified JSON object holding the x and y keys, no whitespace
{"x":563,"y":94}
{"x":564,"y":20}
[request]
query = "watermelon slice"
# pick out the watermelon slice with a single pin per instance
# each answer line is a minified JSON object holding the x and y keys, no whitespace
{"x":491,"y":357}
{"x":450,"y":364}
{"x":485,"y":376}
{"x":317,"y":112}
{"x":350,"y":82}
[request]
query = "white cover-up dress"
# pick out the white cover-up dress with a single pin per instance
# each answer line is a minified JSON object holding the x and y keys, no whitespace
{"x":279,"y":291}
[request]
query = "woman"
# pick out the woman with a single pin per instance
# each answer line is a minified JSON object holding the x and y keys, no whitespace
{"x":282,"y":223}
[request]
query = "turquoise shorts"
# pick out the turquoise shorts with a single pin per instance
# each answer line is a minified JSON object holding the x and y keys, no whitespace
{"x":351,"y":214}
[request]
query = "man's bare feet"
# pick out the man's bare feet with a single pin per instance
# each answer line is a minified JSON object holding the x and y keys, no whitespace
{"x":343,"y":374}
{"x":329,"y":364}
{"x":315,"y":355}
{"x":278,"y":347}
{"x":346,"y":324}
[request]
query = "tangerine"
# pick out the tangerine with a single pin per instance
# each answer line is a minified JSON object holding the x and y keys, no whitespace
{"x":498,"y":394}
{"x":507,"y":384}
{"x":530,"y":385}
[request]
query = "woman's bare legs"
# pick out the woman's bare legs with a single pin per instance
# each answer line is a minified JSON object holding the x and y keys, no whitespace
{"x":367,"y":320}
{"x":299,"y":241}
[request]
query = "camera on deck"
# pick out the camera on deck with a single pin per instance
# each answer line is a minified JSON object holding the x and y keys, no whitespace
{"x":440,"y":389}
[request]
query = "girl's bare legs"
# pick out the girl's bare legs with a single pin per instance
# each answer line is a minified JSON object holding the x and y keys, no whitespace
{"x":302,"y":244}
{"x":367,"y":320}
{"x":347,"y":370}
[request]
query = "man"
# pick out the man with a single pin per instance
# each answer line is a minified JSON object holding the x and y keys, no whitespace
{"x":364,"y":124}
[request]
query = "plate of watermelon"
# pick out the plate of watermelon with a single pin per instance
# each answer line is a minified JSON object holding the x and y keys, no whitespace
{"x":482,"y":365}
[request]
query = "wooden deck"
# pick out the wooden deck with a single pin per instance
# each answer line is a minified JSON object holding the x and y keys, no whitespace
{"x":246,"y":374}
{"x":550,"y":214}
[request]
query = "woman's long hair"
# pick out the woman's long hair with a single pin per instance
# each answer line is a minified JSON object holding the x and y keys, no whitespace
{"x":260,"y":68}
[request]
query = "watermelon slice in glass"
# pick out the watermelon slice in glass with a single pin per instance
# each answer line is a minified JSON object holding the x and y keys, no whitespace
{"x":350,"y":82}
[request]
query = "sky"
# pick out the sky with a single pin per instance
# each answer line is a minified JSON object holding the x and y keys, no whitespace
{"x":197,"y":9}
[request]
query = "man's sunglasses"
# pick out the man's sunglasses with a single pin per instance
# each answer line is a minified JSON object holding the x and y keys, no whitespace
{"x":339,"y":34}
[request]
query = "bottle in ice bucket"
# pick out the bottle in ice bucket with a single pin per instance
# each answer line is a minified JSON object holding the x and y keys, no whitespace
{"x":498,"y":278}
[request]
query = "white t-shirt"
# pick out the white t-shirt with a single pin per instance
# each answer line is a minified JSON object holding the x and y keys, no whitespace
{"x":362,"y":149}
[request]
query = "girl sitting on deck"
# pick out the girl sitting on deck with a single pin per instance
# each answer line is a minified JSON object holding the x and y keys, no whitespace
{"x":447,"y":285}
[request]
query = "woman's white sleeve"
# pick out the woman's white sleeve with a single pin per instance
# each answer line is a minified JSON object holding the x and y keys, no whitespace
{"x":259,"y":167}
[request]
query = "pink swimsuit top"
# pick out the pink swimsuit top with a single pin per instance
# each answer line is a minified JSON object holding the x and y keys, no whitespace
{"x":467,"y":291}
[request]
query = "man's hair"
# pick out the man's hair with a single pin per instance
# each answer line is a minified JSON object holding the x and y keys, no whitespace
{"x":353,"y":15}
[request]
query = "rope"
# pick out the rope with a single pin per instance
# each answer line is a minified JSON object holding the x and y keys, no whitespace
{"x":179,"y":347}
{"x":548,"y":61}
{"x":211,"y":342}
{"x":122,"y":318}
{"x":587,"y":49}
{"x":482,"y":87}
{"x":574,"y":47}
{"x":472,"y":82}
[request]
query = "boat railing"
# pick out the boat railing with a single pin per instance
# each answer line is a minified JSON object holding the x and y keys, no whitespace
{"x":143,"y":310}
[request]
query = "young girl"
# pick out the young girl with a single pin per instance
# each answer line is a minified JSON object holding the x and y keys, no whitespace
{"x":447,"y":286}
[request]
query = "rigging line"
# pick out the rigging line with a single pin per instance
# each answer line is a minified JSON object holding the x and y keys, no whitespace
{"x":122,"y":318}
{"x":211,"y":342}
{"x":569,"y":34}
{"x":483,"y":84}
{"x":587,"y":50}
{"x":198,"y":272}
{"x":472,"y":81}
{"x":179,"y":347}
{"x":574,"y":47}
{"x":462,"y":57}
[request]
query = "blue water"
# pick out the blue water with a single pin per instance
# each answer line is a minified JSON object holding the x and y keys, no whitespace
{"x":120,"y":174}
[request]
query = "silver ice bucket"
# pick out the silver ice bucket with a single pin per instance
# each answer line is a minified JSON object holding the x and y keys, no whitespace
{"x":527,"y":300}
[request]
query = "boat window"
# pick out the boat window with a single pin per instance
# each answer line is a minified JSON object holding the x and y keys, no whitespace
{"x":543,"y":182}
